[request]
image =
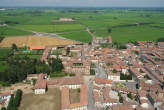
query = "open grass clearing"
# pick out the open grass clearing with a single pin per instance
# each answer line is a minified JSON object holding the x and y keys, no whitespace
{"x":74,"y":96}
{"x":49,"y":101}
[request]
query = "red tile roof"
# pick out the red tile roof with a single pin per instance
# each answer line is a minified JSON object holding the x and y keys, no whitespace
{"x":37,"y":47}
{"x":102,"y":81}
{"x":66,"y":99}
{"x":41,"y":82}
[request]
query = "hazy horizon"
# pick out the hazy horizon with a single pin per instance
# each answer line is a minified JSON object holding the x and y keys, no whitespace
{"x":82,"y":3}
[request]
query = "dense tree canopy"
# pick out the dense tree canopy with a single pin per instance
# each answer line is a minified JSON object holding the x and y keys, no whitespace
{"x":19,"y":66}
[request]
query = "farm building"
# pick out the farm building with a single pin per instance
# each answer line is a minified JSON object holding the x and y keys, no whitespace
{"x":37,"y":47}
{"x":65,"y":19}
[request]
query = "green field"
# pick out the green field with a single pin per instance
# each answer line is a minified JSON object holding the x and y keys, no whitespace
{"x":4,"y":52}
{"x":3,"y":66}
{"x":83,"y":36}
{"x":121,"y":21}
{"x":52,"y":28}
{"x":8,"y":31}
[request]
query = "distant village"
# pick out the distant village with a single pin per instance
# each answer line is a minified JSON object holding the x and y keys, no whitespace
{"x":119,"y":79}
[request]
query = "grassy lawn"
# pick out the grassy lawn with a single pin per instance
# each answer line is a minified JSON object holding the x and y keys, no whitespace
{"x":3,"y":66}
{"x":120,"y":85}
{"x":34,"y":56}
{"x":78,"y":36}
{"x":52,"y":28}
{"x":74,"y":96}
{"x":4,"y":52}
{"x":7,"y":31}
{"x":49,"y":101}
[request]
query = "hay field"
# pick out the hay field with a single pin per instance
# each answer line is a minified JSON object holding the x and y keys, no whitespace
{"x":22,"y":41}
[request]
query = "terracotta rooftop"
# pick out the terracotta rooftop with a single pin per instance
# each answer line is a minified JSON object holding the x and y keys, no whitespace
{"x":66,"y":99}
{"x":102,"y":81}
{"x":37,"y":47}
{"x":41,"y":82}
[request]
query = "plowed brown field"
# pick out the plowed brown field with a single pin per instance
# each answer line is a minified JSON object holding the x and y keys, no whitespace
{"x":34,"y":41}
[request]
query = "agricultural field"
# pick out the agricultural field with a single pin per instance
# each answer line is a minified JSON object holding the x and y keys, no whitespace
{"x":52,"y":28}
{"x":125,"y":34}
{"x":34,"y":41}
{"x":83,"y":36}
{"x":126,"y":24}
{"x":9,"y":31}
{"x":4,"y":52}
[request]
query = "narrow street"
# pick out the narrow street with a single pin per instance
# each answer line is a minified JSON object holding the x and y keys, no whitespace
{"x":91,"y":102}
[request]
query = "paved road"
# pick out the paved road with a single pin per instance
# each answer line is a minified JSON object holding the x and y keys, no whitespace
{"x":100,"y":72}
{"x":82,"y":54}
{"x":91,"y":102}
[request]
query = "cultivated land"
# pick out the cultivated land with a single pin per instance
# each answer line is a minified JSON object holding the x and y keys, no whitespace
{"x":9,"y":31}
{"x":126,"y":24}
{"x":34,"y":41}
{"x":49,"y":101}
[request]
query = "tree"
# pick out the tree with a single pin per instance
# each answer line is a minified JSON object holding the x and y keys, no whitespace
{"x":68,"y":51}
{"x":160,"y":40}
{"x":14,"y":47}
{"x":18,"y":97}
{"x":121,"y":100}
{"x":130,"y":95}
{"x":109,"y":30}
{"x":3,"y":108}
{"x":56,"y":64}
{"x":11,"y":105}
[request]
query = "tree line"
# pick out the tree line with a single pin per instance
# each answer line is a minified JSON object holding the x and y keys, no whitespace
{"x":20,"y":66}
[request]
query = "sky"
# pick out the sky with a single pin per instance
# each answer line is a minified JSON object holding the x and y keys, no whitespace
{"x":84,"y":3}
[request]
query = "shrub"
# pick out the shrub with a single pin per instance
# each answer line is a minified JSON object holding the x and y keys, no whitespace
{"x":130,"y":95}
{"x":71,"y":74}
{"x":78,"y":90}
{"x":18,"y":97}
{"x":125,"y":77}
{"x":3,"y":108}
{"x":114,"y":71}
{"x":121,"y":100}
{"x":92,"y":72}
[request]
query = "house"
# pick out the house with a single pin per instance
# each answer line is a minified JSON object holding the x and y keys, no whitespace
{"x":32,"y":76}
{"x":82,"y":105}
{"x":161,"y":44}
{"x":114,"y":76}
{"x":65,"y":19}
{"x":41,"y":85}
{"x":155,"y":100}
{"x":5,"y":98}
{"x":70,"y":82}
{"x":102,"y":97}
{"x":77,"y":67}
{"x":37,"y":47}
{"x":102,"y":82}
